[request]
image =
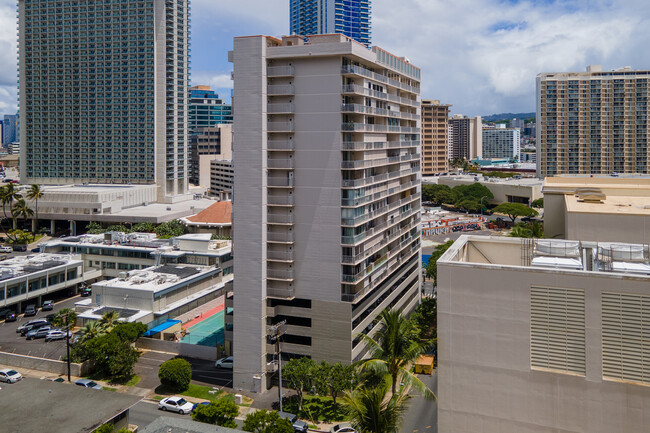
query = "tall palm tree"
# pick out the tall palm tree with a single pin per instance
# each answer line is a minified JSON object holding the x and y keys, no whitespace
{"x":91,"y":330}
{"x":21,"y":209}
{"x":393,"y":348}
{"x":372,"y":410}
{"x":34,"y":193}
{"x":109,"y":319}
{"x":9,"y":194}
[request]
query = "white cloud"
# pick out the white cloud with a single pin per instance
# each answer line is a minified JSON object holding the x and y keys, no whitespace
{"x":213,"y":79}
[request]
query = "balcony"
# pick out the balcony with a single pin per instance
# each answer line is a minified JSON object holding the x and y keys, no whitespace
{"x":279,"y":274}
{"x":282,"y":164}
{"x":280,"y":200}
{"x":279,"y":218}
{"x":280,"y":182}
{"x":280,"y":71}
{"x":280,"y":238}
{"x":279,"y":126}
{"x":280,"y":256}
{"x":282,"y":145}
{"x":280,"y":108}
{"x":280,"y":292}
{"x":280,"y":89}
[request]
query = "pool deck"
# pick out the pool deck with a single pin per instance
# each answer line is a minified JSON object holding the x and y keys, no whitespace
{"x":203,"y":316}
{"x":201,"y":312}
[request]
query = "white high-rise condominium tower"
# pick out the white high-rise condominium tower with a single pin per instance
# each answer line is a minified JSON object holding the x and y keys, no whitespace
{"x":103,"y":92}
{"x":327,"y":196}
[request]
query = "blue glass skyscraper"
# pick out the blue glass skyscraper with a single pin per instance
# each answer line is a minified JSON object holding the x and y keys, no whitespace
{"x":348,"y":17}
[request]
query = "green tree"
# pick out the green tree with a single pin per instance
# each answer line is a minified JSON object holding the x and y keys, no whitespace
{"x":469,"y":205}
{"x":372,"y":410}
{"x":527,"y":230}
{"x":538,"y":204}
{"x":475,"y":191}
{"x":432,"y":266}
{"x":105,"y":428}
{"x":144,"y":228}
{"x":298,"y":373}
{"x":91,"y":330}
{"x":21,"y":210}
{"x":264,"y":421}
{"x":514,"y":210}
{"x":21,"y":236}
{"x":175,"y":374}
{"x":109,"y":319}
{"x":393,"y":348}
{"x":8,"y":195}
{"x":425,"y":318}
{"x":34,"y":193}
{"x":118,"y":228}
{"x":221,"y":412}
{"x":64,"y":318}
{"x":334,"y":379}
{"x":94,"y":228}
{"x":437,"y":194}
{"x":170,"y":229}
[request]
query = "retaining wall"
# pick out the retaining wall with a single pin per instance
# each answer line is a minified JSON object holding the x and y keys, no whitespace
{"x":44,"y":364}
{"x":183,"y":349}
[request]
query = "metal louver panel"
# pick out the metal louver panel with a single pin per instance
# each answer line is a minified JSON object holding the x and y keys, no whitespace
{"x":557,"y":329}
{"x":626,"y":337}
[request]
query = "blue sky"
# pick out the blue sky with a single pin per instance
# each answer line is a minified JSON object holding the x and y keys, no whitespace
{"x":481,"y":56}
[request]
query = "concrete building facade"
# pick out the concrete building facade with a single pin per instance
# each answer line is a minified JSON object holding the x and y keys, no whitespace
{"x":222,"y":175}
{"x":543,"y":336}
{"x":327,"y":196}
{"x":501,"y":143}
{"x":599,"y":208}
{"x":435,"y":137}
{"x":99,"y":108}
{"x":466,"y":137}
{"x":592,"y":122}
{"x":206,"y":144}
{"x":506,"y":190}
{"x":347,"y":17}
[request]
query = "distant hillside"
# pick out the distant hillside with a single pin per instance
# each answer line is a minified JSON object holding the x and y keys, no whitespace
{"x":507,"y":116}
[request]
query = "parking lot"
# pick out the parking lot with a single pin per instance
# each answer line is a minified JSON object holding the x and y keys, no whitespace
{"x":12,"y":342}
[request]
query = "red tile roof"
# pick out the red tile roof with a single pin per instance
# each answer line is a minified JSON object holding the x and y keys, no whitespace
{"x":218,"y":213}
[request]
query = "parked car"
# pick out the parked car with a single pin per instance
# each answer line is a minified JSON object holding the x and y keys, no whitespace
{"x":36,"y":250}
{"x":31,"y":310}
{"x":6,"y":249}
{"x":21,"y":248}
{"x":55,"y":334}
{"x":224,"y":363}
{"x":203,"y":403}
{"x":87,"y":383}
{"x":175,"y":404}
{"x":10,"y":376}
{"x":298,"y":426}
{"x":342,"y":428}
{"x":11,"y":317}
{"x":85,"y":291}
{"x":47,"y":306}
{"x":5,"y":312}
{"x":40,"y":332}
{"x":34,"y":322}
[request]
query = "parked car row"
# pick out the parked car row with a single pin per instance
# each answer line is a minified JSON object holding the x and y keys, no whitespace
{"x":8,"y":315}
{"x":41,"y":328}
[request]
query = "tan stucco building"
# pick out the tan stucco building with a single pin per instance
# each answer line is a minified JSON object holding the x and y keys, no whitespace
{"x":543,"y":336}
{"x":604,"y":209}
{"x":435,"y":137}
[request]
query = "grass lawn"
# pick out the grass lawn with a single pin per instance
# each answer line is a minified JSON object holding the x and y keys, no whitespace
{"x":108,"y":388}
{"x":133,"y":381}
{"x":199,"y":391}
{"x":316,"y":408}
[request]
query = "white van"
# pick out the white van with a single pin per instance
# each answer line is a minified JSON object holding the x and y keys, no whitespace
{"x":6,"y":249}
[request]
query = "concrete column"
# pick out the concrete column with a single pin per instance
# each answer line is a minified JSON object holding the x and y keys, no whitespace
{"x":52,"y":227}
{"x":73,"y":228}
{"x":34,"y":225}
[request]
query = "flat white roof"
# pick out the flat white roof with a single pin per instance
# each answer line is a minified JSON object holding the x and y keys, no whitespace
{"x":158,"y":278}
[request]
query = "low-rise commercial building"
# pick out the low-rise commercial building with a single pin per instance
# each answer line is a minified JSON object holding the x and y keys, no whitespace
{"x":28,"y":279}
{"x":600,"y":208}
{"x":217,"y":220}
{"x":508,"y":190}
{"x":543,"y":336}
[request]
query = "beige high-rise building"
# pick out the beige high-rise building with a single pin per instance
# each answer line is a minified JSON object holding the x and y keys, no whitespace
{"x":326,"y":197}
{"x":543,"y":336}
{"x":435,"y":137}
{"x":592,"y":122}
{"x":466,"y":137}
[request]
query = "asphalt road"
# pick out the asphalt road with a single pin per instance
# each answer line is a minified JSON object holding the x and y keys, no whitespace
{"x":422,"y":415}
{"x":145,"y":412}
{"x":12,"y":342}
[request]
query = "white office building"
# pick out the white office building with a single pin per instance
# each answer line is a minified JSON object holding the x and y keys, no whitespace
{"x":501,"y":142}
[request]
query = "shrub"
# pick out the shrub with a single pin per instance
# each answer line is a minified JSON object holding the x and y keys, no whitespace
{"x":263,"y":421}
{"x":175,"y":374}
{"x":221,"y":412}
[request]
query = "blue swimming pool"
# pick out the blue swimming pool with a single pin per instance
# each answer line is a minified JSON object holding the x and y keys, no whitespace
{"x":208,"y":332}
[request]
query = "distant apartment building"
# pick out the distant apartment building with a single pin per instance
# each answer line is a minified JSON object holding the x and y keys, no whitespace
{"x":435,"y":137}
{"x":501,"y":142}
{"x":466,"y":137}
{"x":13,"y":148}
{"x":517,"y":123}
{"x":543,"y":336}
{"x":222,"y":175}
{"x":10,"y":129}
{"x":327,"y":197}
{"x":206,"y":109}
{"x":206,"y":144}
{"x":347,"y":17}
{"x":102,"y":102}
{"x":592,"y":122}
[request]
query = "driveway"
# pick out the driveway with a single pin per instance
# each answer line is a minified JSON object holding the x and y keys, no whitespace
{"x":422,"y":415}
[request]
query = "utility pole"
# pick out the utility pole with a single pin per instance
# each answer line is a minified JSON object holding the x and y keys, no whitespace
{"x":275,"y":333}
{"x":65,"y":317}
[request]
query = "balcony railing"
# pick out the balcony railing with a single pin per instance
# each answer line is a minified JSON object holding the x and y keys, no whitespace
{"x":280,"y":89}
{"x":278,"y":274}
{"x":279,"y":218}
{"x":285,"y":238}
{"x":281,"y":182}
{"x":280,"y":71}
{"x":280,"y":145}
{"x":279,"y":108}
{"x":284,"y":256}
{"x":284,"y":163}
{"x":280,"y":126}
{"x":281,"y":200}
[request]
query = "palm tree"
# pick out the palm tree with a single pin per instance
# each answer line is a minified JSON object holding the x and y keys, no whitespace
{"x":393,"y":348}
{"x":372,"y":410}
{"x":21,"y":209}
{"x":92,"y":330}
{"x":109,"y":319}
{"x":34,"y":193}
{"x":9,"y":194}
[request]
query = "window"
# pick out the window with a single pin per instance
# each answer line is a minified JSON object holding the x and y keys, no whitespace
{"x":557,"y":329}
{"x":626,"y":337}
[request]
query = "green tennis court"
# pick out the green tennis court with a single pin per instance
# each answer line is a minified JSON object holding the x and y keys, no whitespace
{"x":208,"y":332}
